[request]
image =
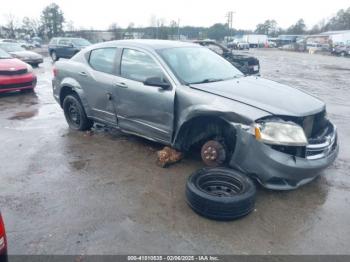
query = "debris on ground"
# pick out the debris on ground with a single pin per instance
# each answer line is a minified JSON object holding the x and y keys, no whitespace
{"x":89,"y":133}
{"x":168,"y":156}
{"x":24,"y":115}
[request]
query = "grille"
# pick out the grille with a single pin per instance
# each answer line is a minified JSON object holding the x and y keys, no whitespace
{"x":320,"y":123}
{"x":314,"y":125}
{"x":17,"y":85}
{"x":322,"y":146}
{"x":12,"y":73}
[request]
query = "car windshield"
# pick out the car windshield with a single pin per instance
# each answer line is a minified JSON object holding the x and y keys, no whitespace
{"x":196,"y":65}
{"x":4,"y":55}
{"x":11,"y":47}
{"x":80,"y":42}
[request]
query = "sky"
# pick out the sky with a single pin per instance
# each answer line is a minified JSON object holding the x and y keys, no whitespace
{"x":248,"y":13}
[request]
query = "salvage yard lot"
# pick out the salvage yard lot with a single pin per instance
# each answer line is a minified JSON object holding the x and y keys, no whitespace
{"x":64,"y":192}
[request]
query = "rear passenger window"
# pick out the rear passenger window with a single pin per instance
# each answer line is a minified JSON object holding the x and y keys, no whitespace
{"x":103,"y":59}
{"x":64,"y":42}
{"x":53,"y":41}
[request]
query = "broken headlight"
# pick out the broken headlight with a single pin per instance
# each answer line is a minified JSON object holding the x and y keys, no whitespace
{"x":279,"y":133}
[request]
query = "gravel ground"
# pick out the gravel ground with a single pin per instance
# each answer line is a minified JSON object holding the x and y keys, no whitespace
{"x":64,"y":192}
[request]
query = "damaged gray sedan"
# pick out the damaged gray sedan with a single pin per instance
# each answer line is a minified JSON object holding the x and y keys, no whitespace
{"x":183,"y":95}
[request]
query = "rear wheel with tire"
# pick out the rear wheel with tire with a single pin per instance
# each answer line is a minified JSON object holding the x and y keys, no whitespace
{"x":54,"y":56}
{"x":75,"y":113}
{"x":220,"y":193}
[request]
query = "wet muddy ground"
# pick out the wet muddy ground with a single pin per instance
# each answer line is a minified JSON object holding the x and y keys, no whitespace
{"x":64,"y":192}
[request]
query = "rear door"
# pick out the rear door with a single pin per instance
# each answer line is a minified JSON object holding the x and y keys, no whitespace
{"x":97,"y":79}
{"x":145,"y":110}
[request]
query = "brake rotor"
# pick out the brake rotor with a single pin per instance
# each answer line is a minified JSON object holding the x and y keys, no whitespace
{"x":213,"y":153}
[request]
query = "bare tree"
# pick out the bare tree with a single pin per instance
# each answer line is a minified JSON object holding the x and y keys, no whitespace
{"x":30,"y":26}
{"x":117,"y":32}
{"x":11,"y":25}
{"x":70,"y":26}
{"x":153,"y":21}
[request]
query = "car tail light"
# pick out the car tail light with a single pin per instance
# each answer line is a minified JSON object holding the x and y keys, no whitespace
{"x":3,"y":241}
{"x":55,"y":71}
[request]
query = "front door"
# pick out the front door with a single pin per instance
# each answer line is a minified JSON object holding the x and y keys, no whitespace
{"x":143,"y":109}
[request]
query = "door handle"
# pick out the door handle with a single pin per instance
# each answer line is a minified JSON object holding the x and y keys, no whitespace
{"x":83,"y":73}
{"x":121,"y":84}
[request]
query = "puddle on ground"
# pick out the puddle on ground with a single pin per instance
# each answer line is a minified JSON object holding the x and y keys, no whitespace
{"x":79,"y":164}
{"x":24,"y":115}
{"x":333,"y":67}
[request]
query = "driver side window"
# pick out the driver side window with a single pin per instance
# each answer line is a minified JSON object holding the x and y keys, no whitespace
{"x":138,"y":66}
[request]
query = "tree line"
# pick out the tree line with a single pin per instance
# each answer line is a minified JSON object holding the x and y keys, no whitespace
{"x":53,"y":23}
{"x":341,"y":21}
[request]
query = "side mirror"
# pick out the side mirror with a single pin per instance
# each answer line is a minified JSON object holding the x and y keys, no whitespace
{"x":157,"y":81}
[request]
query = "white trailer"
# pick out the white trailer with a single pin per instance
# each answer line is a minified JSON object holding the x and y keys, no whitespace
{"x":343,"y":38}
{"x":256,"y":40}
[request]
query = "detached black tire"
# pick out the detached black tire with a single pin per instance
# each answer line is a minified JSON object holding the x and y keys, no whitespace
{"x":220,"y":193}
{"x":75,"y":113}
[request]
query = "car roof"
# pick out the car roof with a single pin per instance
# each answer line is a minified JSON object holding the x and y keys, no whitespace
{"x":147,"y":43}
{"x":211,"y":42}
{"x":68,"y":38}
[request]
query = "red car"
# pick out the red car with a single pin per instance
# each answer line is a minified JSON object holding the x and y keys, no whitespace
{"x":15,"y":75}
{"x":3,"y":241}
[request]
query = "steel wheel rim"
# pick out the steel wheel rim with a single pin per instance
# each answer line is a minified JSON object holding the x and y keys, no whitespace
{"x":74,"y":114}
{"x":219,"y":185}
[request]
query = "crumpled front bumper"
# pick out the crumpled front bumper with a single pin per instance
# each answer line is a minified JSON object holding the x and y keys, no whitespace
{"x":274,"y":169}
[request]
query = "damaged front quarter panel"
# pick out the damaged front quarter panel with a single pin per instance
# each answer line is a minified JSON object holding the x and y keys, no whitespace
{"x":192,"y":105}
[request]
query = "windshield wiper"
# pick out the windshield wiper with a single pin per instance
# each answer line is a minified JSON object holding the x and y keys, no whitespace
{"x":207,"y":80}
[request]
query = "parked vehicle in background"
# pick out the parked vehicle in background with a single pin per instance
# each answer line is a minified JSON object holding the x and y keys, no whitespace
{"x":26,"y":45}
{"x":19,"y":52}
{"x":341,"y":50}
{"x":183,"y":95}
{"x":271,"y":44}
{"x":66,"y":47}
{"x":15,"y":75}
{"x":254,"y":40}
{"x":3,"y":241}
{"x":238,"y":45}
{"x":313,"y":47}
{"x":248,"y":65}
{"x":36,"y":41}
{"x":283,"y":40}
{"x":8,"y":40}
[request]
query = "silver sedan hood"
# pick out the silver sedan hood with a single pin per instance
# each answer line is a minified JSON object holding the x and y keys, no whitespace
{"x":267,"y":95}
